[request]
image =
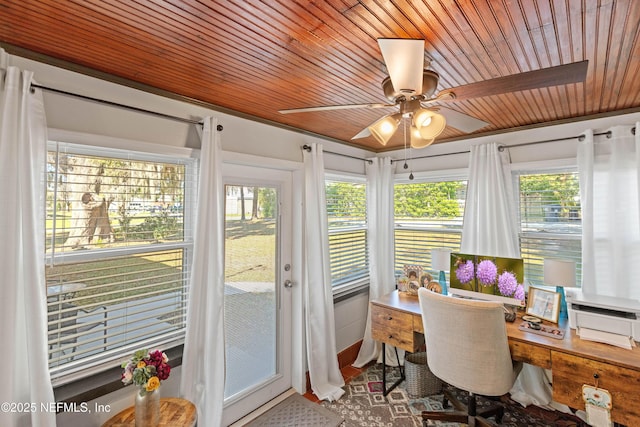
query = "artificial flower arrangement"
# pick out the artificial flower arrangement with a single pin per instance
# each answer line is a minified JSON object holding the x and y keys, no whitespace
{"x":486,"y":273}
{"x":146,"y":369}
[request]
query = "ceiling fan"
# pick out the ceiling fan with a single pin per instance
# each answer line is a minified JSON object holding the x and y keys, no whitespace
{"x":411,"y":88}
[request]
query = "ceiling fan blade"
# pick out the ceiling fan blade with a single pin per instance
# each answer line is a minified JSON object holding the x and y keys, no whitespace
{"x":460,"y":121}
{"x":363,"y":133}
{"x":334,"y":107}
{"x":404,"y":59}
{"x":553,"y":76}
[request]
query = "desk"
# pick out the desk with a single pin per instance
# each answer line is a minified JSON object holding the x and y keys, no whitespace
{"x":396,"y":320}
{"x":174,"y":412}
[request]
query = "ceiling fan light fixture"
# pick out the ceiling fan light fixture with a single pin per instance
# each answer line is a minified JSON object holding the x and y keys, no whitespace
{"x":417,"y":141}
{"x":429,"y":123}
{"x":383,"y":129}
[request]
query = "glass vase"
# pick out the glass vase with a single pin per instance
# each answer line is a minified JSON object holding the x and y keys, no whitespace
{"x":147,"y":409}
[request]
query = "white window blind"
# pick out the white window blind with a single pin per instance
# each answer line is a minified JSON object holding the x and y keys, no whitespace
{"x":347,"y":226}
{"x":550,"y":221}
{"x":427,"y":215}
{"x":118,"y":245}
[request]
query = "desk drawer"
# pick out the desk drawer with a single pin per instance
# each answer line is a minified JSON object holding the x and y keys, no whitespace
{"x":534,"y":355}
{"x":392,"y":327}
{"x":570,"y":373}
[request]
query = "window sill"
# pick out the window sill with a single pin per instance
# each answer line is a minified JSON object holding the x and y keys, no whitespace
{"x":102,"y":383}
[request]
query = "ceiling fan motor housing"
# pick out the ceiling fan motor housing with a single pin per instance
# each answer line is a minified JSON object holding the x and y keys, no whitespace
{"x":429,"y":84}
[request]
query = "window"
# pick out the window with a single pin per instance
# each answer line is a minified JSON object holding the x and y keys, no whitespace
{"x":427,"y":215}
{"x":118,"y":247}
{"x":347,"y":226}
{"x":550,"y":220}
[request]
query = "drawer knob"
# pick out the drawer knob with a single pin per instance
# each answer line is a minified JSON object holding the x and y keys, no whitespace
{"x":390,"y":336}
{"x":389,"y":318}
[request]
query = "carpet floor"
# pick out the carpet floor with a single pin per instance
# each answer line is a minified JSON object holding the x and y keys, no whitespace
{"x":297,"y":411}
{"x":364,"y":405}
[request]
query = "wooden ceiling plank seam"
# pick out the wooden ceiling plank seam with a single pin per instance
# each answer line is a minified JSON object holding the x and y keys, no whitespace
{"x":378,"y":13}
{"x":342,"y":59}
{"x":591,"y":45}
{"x":534,"y":33}
{"x":445,"y":61}
{"x":562,"y":21}
{"x":473,"y":49}
{"x":257,"y":57}
{"x":481,"y":19}
{"x":539,"y":33}
{"x":622,"y":39}
{"x":194,"y":93}
{"x":491,"y":13}
{"x":614,"y":52}
{"x":480,"y":22}
{"x":602,"y":42}
{"x":402,"y":18}
{"x":631,"y":85}
{"x":518,"y":16}
{"x":248,"y":61}
{"x":454,"y":69}
{"x":329,"y":15}
{"x":549,"y":32}
{"x":552,"y":43}
{"x":576,"y":17}
{"x":297,"y":68}
{"x":512,"y":37}
{"x":339,"y":80}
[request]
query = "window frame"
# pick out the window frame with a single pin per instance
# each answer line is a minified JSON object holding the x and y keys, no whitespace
{"x":74,"y":383}
{"x":361,"y":283}
{"x":427,"y":177}
{"x":557,"y":166}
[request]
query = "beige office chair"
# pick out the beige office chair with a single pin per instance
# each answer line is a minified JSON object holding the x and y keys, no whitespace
{"x":467,"y":348}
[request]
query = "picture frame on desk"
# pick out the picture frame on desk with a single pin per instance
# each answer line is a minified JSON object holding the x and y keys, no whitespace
{"x":543,"y":304}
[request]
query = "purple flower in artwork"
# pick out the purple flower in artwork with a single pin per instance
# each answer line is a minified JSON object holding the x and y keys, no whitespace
{"x":464,"y":272}
{"x":519,"y":293}
{"x":486,"y":272}
{"x":507,"y":283}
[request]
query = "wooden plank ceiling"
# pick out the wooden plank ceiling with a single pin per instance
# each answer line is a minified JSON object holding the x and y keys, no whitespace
{"x":256,"y":57}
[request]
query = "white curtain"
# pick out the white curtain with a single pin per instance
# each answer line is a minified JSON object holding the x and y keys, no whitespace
{"x":203,"y":364}
{"x":23,"y":311}
{"x":380,"y":245}
{"x":324,"y":371}
{"x":490,"y":226}
{"x":609,"y":194}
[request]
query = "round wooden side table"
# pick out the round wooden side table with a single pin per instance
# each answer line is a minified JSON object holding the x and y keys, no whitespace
{"x":174,"y":412}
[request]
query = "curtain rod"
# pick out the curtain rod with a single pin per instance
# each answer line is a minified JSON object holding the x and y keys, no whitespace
{"x":502,"y":147}
{"x":308,"y":148}
{"x":115,"y":104}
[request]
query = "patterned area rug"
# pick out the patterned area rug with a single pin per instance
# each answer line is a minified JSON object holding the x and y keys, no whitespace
{"x":364,"y":405}
{"x":297,"y":411}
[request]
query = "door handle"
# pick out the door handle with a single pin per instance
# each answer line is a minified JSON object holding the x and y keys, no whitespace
{"x":288,"y":283}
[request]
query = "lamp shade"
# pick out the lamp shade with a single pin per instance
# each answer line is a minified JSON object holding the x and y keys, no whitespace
{"x":383,"y":129}
{"x":440,"y":259}
{"x":416,"y":139}
{"x":558,"y":272}
{"x":429,"y":123}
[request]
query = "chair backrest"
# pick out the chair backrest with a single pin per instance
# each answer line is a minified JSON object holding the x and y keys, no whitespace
{"x":467,"y":343}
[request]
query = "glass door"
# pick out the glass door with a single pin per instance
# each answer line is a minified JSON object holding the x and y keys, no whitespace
{"x":257,"y":303}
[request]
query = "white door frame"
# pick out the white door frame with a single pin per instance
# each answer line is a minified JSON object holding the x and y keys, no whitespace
{"x":294,"y":367}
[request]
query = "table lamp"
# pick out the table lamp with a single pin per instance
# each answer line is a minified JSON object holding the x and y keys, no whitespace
{"x":560,"y":273}
{"x":440,"y":261}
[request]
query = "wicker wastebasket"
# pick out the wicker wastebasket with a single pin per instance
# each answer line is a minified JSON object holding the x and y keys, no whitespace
{"x":420,"y":380}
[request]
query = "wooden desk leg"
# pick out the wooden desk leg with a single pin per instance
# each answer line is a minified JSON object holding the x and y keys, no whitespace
{"x":384,"y":371}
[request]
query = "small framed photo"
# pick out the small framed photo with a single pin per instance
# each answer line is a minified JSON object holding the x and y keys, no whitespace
{"x":543,"y":304}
